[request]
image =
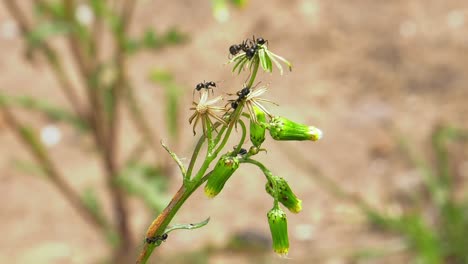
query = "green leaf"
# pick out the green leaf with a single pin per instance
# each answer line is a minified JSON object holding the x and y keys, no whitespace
{"x":240,"y":3}
{"x":187,"y":226}
{"x":131,"y":46}
{"x":151,"y":39}
{"x":108,"y":99}
{"x":174,"y":36}
{"x":93,"y":204}
{"x":240,"y":62}
{"x":28,"y":168}
{"x":421,"y":237}
{"x":241,"y":67}
{"x":146,"y":182}
{"x":172,"y":98}
{"x":220,"y":10}
{"x":54,"y":9}
{"x":174,"y":156}
{"x":99,"y":7}
{"x":45,"y":108}
{"x":40,"y":33}
{"x":263,"y":60}
{"x":282,"y":59}
{"x":278,"y":65}
{"x":268,"y":62}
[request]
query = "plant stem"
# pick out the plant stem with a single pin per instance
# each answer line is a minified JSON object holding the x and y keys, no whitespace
{"x":158,"y":226}
{"x":64,"y":81}
{"x":40,"y":154}
{"x":194,"y":156}
{"x":254,"y":72}
{"x":242,"y":140}
{"x":160,"y":223}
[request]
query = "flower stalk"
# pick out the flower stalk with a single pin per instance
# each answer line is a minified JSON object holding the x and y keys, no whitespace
{"x":247,"y":105}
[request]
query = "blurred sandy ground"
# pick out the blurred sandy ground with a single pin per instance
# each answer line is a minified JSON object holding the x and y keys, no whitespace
{"x":364,"y":72}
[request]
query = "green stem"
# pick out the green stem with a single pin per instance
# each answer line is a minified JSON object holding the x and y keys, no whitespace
{"x":162,"y":221}
{"x":266,"y":172}
{"x":209,"y":133}
{"x":198,"y":147}
{"x":195,"y":156}
{"x":227,"y":134}
{"x":242,"y":140}
{"x":254,"y":73}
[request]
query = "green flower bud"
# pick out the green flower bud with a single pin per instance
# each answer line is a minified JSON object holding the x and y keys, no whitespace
{"x":285,"y":194}
{"x":257,"y":129}
{"x":279,"y":230}
{"x":223,"y":170}
{"x":285,"y":129}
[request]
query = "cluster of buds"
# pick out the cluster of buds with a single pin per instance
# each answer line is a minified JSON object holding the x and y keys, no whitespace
{"x":217,"y":121}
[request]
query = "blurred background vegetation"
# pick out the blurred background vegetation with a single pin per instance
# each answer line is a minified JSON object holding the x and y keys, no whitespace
{"x":89,"y":88}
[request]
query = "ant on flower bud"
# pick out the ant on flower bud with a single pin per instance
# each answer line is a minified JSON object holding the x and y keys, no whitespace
{"x":249,"y":46}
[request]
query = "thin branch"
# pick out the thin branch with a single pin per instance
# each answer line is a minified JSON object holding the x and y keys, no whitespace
{"x":64,"y":81}
{"x":42,"y":157}
{"x":105,"y":137}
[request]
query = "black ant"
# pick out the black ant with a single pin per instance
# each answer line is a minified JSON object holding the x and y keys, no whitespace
{"x":248,"y":46}
{"x":234,"y":49}
{"x":152,"y":240}
{"x":242,"y":151}
{"x":260,"y":41}
{"x":251,"y":52}
{"x":242,"y":94}
{"x":206,"y":85}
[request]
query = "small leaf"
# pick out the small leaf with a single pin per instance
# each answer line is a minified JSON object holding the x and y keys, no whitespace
{"x":239,"y":61}
{"x":188,"y":226}
{"x":239,"y":3}
{"x":45,"y":108}
{"x":263,"y":62}
{"x":268,"y":62}
{"x":278,"y":65}
{"x":40,"y":33}
{"x":54,"y":9}
{"x":241,"y":67}
{"x":99,"y":7}
{"x":131,"y":46}
{"x":283,"y":60}
{"x":220,"y":10}
{"x":174,"y":36}
{"x":28,"y":167}
{"x":146,"y":182}
{"x":151,"y":39}
{"x":172,"y":93}
{"x":176,"y":159}
{"x":92,"y":202}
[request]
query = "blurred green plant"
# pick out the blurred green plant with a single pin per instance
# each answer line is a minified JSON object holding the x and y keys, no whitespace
{"x":96,"y":105}
{"x":436,"y":231}
{"x":221,"y":8}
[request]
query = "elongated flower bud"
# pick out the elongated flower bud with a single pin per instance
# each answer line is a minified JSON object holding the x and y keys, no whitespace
{"x":279,"y":230}
{"x":285,"y":129}
{"x":285,"y":194}
{"x":223,"y":170}
{"x":257,"y":129}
